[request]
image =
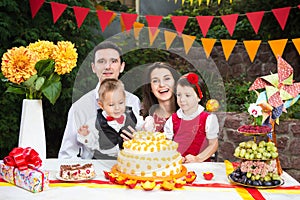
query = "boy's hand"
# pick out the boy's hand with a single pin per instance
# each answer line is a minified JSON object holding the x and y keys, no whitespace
{"x":84,"y":130}
{"x":126,"y":135}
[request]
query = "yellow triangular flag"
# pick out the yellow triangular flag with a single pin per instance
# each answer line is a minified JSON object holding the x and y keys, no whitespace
{"x":207,"y":2}
{"x":137,"y":27}
{"x":277,"y":46}
{"x":228,"y":46}
{"x":151,"y":36}
{"x":208,"y":44}
{"x":297,"y":44}
{"x":191,"y":2}
{"x":188,"y":41}
{"x":199,"y":2}
{"x":251,"y":48}
{"x":182,"y":2}
{"x":169,"y":38}
{"x":219,"y":1}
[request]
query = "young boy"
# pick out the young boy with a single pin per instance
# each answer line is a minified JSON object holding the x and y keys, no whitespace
{"x":112,"y":117}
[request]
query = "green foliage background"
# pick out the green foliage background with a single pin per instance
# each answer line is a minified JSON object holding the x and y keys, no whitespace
{"x":18,"y":28}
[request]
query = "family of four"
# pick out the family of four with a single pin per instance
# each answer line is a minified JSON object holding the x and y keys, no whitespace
{"x":102,"y":119}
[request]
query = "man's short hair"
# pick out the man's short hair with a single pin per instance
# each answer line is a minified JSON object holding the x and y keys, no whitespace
{"x":107,"y":45}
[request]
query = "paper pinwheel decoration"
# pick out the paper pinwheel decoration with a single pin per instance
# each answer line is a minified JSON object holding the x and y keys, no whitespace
{"x":280,"y":87}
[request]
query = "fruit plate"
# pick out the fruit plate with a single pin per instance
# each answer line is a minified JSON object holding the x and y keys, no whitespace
{"x":72,"y":180}
{"x":255,"y":159}
{"x":250,"y":130}
{"x":255,"y":186}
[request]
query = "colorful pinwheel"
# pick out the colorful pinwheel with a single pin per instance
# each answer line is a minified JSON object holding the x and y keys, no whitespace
{"x":280,"y":87}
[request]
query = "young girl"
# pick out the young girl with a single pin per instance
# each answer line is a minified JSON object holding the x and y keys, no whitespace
{"x":195,"y":130}
{"x":112,"y":119}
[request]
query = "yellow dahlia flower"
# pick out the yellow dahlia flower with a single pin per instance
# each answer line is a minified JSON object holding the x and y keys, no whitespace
{"x":43,"y":48}
{"x":65,"y":57}
{"x":18,"y":64}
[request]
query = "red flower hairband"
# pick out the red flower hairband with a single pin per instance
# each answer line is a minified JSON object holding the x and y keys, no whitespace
{"x":193,"y":79}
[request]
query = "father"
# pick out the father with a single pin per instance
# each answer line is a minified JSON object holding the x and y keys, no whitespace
{"x":107,"y":63}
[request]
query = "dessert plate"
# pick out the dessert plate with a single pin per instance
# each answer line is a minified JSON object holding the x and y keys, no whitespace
{"x":78,"y":180}
{"x":254,"y":186}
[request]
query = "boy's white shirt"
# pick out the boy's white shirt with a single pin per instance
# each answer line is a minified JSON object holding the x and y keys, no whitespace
{"x":91,"y":140}
{"x":211,"y":126}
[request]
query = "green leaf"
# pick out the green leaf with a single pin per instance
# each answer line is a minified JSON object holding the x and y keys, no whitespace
{"x":45,"y":67}
{"x":16,"y":90}
{"x":52,"y":91}
{"x":39,"y":83}
{"x":30,"y":81}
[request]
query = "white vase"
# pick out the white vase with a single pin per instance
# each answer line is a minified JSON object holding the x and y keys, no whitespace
{"x":32,"y":129}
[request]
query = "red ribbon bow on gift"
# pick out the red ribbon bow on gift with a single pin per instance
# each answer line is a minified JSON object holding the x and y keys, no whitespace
{"x":120,"y":120}
{"x":22,"y":158}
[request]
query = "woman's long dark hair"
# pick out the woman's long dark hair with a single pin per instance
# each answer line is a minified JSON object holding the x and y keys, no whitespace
{"x":150,"y":102}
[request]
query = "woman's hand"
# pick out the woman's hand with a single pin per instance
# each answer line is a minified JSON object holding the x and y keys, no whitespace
{"x":126,"y":135}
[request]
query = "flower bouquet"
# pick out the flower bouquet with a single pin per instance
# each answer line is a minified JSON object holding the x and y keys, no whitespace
{"x":35,"y":70}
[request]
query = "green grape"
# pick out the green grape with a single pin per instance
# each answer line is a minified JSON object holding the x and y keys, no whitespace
{"x":274,"y":154}
{"x":251,"y":157}
{"x":274,"y":149}
{"x":267,"y":178}
{"x":261,"y":144}
{"x":249,"y":144}
{"x":261,"y":150}
{"x":257,"y":177}
{"x":254,"y":146}
{"x":249,"y":174}
{"x":242,"y":153}
{"x":247,"y":155}
{"x":237,"y":150}
{"x":276,"y":177}
{"x":258,"y":155}
{"x":242,"y":144}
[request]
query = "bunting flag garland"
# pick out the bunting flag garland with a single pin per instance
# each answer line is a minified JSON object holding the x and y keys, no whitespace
{"x":104,"y":18}
{"x":57,"y":10}
{"x":228,"y":46}
{"x":255,"y":19}
{"x":277,"y":46}
{"x":188,"y":41}
{"x":80,"y":14}
{"x":252,"y":47}
{"x":297,"y":44}
{"x":281,"y":15}
{"x":153,"y":22}
{"x":169,"y":38}
{"x":128,"y":20}
{"x":208,"y":44}
{"x":204,"y":23}
{"x":230,"y":22}
{"x":35,"y":5}
{"x":179,"y":23}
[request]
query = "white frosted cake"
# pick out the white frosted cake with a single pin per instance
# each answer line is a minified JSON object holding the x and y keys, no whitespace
{"x":149,"y":154}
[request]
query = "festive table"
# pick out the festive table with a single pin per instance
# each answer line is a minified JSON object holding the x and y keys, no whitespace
{"x":100,"y":188}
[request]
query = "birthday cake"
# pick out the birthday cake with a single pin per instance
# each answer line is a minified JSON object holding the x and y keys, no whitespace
{"x":77,"y":172}
{"x":149,"y":155}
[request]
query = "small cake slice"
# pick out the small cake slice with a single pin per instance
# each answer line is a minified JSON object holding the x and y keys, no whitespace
{"x":77,"y":172}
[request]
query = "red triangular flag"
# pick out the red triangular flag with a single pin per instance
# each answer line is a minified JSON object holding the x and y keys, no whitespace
{"x":230,"y":22}
{"x":35,"y":5}
{"x":299,"y":6}
{"x":153,"y":22}
{"x":80,"y":14}
{"x":104,"y":18}
{"x":128,"y":20}
{"x":204,"y":23}
{"x":57,"y":10}
{"x":179,"y":23}
{"x":281,"y":15}
{"x":255,"y":19}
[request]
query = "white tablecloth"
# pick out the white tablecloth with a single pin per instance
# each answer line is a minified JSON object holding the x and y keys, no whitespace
{"x":85,"y":191}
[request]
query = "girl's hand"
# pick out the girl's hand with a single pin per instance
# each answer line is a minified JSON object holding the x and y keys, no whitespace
{"x":191,"y":159}
{"x":84,"y":130}
{"x":127,"y":135}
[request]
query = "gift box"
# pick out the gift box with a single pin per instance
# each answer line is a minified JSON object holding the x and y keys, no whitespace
{"x":22,"y":172}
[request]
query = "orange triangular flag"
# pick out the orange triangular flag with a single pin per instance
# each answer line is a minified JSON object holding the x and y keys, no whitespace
{"x":128,"y":20}
{"x":137,"y":27}
{"x":277,"y":46}
{"x":228,"y":46}
{"x":179,"y":23}
{"x":252,"y":47}
{"x":35,"y":5}
{"x":188,"y":41}
{"x":152,"y":36}
{"x":104,"y":18}
{"x":153,"y":22}
{"x":169,"y":38}
{"x":208,"y":44}
{"x":57,"y":10}
{"x":80,"y":14}
{"x":281,"y":14}
{"x":297,"y":44}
